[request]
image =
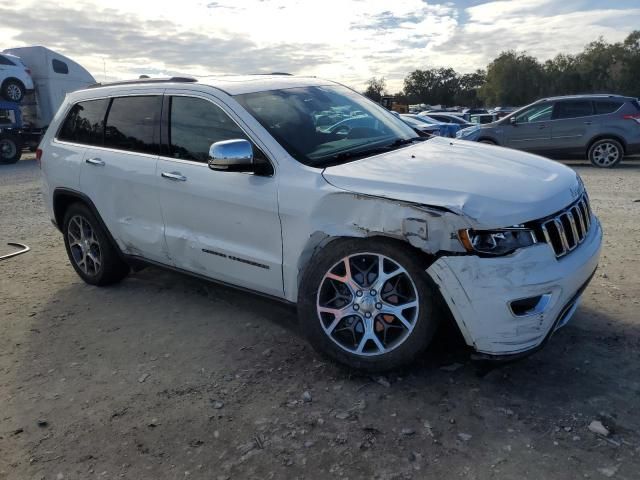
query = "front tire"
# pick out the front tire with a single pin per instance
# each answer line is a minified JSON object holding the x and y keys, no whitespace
{"x":90,"y":251}
{"x":367,"y":304}
{"x":605,"y":153}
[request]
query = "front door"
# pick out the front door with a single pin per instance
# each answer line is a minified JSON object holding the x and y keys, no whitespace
{"x":531,"y":130}
{"x":223,"y":225}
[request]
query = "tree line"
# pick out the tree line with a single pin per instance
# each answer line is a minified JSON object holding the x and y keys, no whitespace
{"x":516,"y":78}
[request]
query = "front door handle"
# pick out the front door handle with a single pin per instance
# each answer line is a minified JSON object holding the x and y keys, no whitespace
{"x":588,"y":123}
{"x":175,"y":176}
{"x":95,"y":161}
{"x":542,"y":126}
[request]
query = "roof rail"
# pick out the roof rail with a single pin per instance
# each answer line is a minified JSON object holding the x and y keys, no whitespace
{"x":145,"y":80}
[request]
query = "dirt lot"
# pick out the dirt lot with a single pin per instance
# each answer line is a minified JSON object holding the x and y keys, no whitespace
{"x":167,"y":377}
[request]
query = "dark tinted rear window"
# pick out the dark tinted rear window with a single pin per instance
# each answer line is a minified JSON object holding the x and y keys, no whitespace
{"x":606,"y":106}
{"x":637,"y":104}
{"x":133,"y":124}
{"x":5,"y":61}
{"x":572,"y":109}
{"x":85,"y":123}
{"x":59,"y":66}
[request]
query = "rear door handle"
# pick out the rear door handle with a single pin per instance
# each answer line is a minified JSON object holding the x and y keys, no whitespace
{"x":95,"y":161}
{"x":542,"y":126}
{"x":588,"y":123}
{"x":175,"y":176}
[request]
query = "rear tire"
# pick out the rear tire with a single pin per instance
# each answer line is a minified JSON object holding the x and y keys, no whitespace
{"x":605,"y":153}
{"x":368,"y":305}
{"x":10,"y":149}
{"x":13,"y":91}
{"x":90,"y":250}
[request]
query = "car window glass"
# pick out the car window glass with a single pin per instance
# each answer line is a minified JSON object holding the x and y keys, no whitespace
{"x":132,"y":124}
{"x":85,"y":123}
{"x":606,"y":106}
{"x":195,"y":124}
{"x":573,"y":109}
{"x":59,"y":66}
{"x":5,"y":61}
{"x":537,"y":113}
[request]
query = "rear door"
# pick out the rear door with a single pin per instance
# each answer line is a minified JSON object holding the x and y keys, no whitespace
{"x":224,"y":225}
{"x":573,"y":125}
{"x":531,"y":131}
{"x":120,"y":176}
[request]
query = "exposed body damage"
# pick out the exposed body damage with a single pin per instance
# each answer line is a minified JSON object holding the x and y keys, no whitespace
{"x":479,"y":290}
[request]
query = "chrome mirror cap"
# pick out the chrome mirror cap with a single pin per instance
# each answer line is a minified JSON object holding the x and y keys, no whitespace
{"x":231,"y":156}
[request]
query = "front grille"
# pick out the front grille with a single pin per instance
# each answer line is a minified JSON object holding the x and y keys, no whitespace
{"x":567,"y":229}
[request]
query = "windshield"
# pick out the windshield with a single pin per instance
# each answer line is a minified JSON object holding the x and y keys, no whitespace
{"x":328,"y":125}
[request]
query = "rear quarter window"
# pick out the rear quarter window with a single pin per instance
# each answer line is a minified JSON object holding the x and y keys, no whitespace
{"x":5,"y":61}
{"x":85,"y":123}
{"x":637,"y":104}
{"x":606,"y":106}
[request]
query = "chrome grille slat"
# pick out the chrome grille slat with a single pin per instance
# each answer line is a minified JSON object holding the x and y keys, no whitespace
{"x":568,"y":228}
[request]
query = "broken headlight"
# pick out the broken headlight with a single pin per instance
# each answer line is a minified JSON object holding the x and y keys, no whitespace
{"x":496,"y":242}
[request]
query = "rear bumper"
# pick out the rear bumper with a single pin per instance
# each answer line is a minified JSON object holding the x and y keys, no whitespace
{"x":479,"y":292}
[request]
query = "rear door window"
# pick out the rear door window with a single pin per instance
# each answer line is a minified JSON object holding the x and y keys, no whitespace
{"x":133,"y":124}
{"x":606,"y":106}
{"x":572,"y":109}
{"x":85,"y":123}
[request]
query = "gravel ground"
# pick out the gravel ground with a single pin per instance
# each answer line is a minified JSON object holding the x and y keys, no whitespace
{"x":167,"y":377}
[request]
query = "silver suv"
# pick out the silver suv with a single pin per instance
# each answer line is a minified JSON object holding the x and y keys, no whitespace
{"x":604,"y":128}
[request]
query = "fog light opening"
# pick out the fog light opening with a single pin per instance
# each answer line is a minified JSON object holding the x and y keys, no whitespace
{"x":530,"y":305}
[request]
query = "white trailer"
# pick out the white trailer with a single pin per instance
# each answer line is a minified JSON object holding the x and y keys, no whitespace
{"x":54,"y":76}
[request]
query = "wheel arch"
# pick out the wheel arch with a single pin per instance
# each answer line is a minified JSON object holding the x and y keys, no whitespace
{"x":14,"y":79}
{"x":607,"y":136}
{"x":63,"y":198}
{"x":489,"y":139}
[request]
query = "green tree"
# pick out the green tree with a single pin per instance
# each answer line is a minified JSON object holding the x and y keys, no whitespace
{"x":512,"y":79}
{"x":468,"y":88}
{"x":432,"y":86}
{"x":375,"y":88}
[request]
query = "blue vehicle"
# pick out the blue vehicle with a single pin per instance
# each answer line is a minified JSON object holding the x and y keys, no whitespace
{"x":14,"y":134}
{"x":446,"y":129}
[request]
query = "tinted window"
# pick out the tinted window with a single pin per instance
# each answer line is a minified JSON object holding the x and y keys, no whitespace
{"x":85,"y":123}
{"x":537,"y":113}
{"x":195,"y":125}
{"x":5,"y":61}
{"x":133,"y":124}
{"x":59,"y":67}
{"x":573,"y":109}
{"x":636,"y":103}
{"x":606,"y":106}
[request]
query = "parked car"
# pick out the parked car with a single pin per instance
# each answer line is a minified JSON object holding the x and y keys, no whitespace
{"x":500,"y":112}
{"x":449,"y":118}
{"x":15,"y":78}
{"x":602,"y":128}
{"x":482,"y":118}
{"x":446,"y":129}
{"x":374,"y":235}
{"x":423,"y":128}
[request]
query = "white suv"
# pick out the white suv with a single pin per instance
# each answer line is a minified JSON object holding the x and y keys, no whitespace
{"x":271,"y":184}
{"x":15,"y":78}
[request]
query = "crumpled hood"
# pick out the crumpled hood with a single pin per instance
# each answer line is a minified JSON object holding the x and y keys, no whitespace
{"x":496,"y":187}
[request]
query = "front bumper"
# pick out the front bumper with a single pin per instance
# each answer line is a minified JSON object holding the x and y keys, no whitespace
{"x":479,"y":292}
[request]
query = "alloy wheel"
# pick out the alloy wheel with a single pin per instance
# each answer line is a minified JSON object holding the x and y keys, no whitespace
{"x":84,"y":245}
{"x":13,"y":92}
{"x":605,"y":154}
{"x":367,"y":304}
{"x":8,"y":149}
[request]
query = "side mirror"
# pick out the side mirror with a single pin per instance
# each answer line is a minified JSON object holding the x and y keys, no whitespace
{"x":231,"y":156}
{"x":512,"y":121}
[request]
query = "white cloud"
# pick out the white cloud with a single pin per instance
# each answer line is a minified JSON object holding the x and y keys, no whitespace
{"x":346,"y":40}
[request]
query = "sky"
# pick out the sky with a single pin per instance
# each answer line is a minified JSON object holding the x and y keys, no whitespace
{"x":348,"y":41}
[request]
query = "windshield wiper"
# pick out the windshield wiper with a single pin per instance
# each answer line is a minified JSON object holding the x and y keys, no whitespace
{"x":405,"y":141}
